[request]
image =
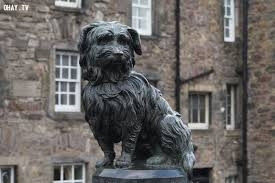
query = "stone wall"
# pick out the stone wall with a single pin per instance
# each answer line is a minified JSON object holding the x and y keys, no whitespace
{"x":261,"y":91}
{"x":203,"y":49}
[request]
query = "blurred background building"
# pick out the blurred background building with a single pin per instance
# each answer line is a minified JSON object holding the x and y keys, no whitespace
{"x":194,"y":51}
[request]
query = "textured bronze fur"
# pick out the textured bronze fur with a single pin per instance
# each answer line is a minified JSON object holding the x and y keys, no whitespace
{"x":121,"y":105}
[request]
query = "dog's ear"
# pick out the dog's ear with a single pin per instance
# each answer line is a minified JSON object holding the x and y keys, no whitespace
{"x":136,"y":40}
{"x":82,"y":46}
{"x":83,"y":42}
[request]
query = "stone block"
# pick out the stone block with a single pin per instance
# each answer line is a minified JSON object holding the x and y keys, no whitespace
{"x":19,"y":43}
{"x":2,"y":58}
{"x":42,"y":54}
{"x":22,"y":88}
{"x":140,"y":176}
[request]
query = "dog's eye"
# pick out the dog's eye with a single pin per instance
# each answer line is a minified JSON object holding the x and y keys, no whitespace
{"x":104,"y":39}
{"x":123,"y":40}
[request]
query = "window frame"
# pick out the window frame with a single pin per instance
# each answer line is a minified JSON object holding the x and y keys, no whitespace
{"x":83,"y":180}
{"x":12,"y":172}
{"x":77,"y":106}
{"x":231,"y":179}
{"x":68,"y":4}
{"x":148,"y":31}
{"x":233,"y":106}
{"x":231,"y":21}
{"x":207,"y":98}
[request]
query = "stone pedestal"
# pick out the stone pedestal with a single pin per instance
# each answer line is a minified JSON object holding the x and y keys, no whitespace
{"x":140,"y":176}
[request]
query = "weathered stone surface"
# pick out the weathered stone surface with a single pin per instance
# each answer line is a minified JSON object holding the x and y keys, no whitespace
{"x":42,"y":54}
{"x":22,"y":88}
{"x":261,"y":118}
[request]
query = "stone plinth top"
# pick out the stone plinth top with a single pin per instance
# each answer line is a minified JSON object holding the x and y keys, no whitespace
{"x":136,"y":176}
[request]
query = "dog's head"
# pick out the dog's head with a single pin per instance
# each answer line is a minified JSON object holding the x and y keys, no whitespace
{"x":107,"y":51}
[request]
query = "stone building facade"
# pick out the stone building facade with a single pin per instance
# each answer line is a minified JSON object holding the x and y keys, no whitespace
{"x":35,"y":138}
{"x":261,"y":91}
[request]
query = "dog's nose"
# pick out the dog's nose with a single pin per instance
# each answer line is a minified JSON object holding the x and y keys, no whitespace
{"x":118,"y":52}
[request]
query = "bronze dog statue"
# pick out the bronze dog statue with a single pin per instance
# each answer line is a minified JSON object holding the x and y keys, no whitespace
{"x":120,"y":104}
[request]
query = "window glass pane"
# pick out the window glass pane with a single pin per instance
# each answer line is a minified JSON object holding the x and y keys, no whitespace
{"x":134,"y":23}
{"x":56,"y":173}
{"x":226,"y":21}
{"x":202,"y":116}
{"x":142,"y":24}
{"x":56,"y":98}
{"x":57,"y":59}
{"x":57,"y":72}
{"x":202,"y":101}
{"x":195,"y":101}
{"x":73,"y":74}
{"x":135,"y":1}
{"x":65,"y":73}
{"x":78,"y":172}
{"x":72,"y":99}
{"x":195,"y":115}
{"x":228,"y":2}
{"x":142,"y":12}
{"x":227,"y":32}
{"x":190,"y":109}
{"x":144,"y":2}
{"x":72,"y":87}
{"x":67,"y":172}
{"x":228,"y":11}
{"x":74,"y":61}
{"x":135,"y":11}
{"x":56,"y":86}
{"x":65,"y":60}
{"x":228,"y":119}
{"x":6,"y":175}
{"x":63,"y":86}
{"x":63,"y":99}
{"x":228,"y":106}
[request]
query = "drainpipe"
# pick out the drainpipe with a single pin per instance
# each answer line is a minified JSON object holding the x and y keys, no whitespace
{"x":177,"y":42}
{"x":245,"y":93}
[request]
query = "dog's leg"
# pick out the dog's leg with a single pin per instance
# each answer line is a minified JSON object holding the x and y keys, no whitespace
{"x":158,"y":158}
{"x":128,"y":146}
{"x":109,"y":154}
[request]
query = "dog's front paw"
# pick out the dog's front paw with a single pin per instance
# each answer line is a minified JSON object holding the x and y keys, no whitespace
{"x":106,"y":162}
{"x":124,"y":161}
{"x":156,"y":160}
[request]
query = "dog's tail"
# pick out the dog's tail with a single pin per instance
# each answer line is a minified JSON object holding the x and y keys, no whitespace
{"x":176,"y":140}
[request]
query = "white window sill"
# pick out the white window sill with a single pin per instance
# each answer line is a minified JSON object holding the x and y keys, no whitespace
{"x":194,"y":126}
{"x":66,"y":4}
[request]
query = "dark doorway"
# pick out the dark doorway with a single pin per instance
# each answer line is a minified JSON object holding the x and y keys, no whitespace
{"x":201,"y":175}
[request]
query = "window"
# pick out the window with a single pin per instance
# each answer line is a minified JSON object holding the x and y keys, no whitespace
{"x":199,"y":110}
{"x":230,"y":106}
{"x":69,"y":173}
{"x":6,"y":174}
{"x":141,"y":16}
{"x":229,"y":21}
{"x":67,"y":82}
{"x":68,"y":3}
{"x":231,"y":179}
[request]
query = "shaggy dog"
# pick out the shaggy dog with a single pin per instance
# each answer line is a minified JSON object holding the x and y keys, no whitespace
{"x":120,"y":104}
